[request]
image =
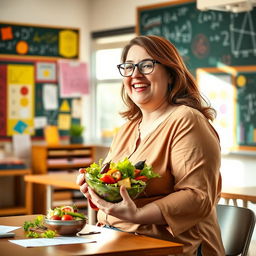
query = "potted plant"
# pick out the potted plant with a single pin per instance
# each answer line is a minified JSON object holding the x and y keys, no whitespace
{"x":75,"y":132}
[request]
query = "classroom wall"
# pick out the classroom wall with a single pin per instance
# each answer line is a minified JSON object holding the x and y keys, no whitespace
{"x":97,"y":15}
{"x":103,"y":13}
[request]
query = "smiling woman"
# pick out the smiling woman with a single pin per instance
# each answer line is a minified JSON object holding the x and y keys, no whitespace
{"x":167,"y":123}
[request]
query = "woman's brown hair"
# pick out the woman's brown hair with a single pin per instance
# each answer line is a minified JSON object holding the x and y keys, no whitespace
{"x":184,"y":90}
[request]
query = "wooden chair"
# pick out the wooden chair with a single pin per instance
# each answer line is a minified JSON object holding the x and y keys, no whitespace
{"x":237,"y":225}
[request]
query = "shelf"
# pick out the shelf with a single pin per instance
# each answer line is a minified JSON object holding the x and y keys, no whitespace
{"x":67,"y":153}
{"x":50,"y":159}
{"x":16,"y":210}
{"x":17,"y":172}
{"x":13,"y":211}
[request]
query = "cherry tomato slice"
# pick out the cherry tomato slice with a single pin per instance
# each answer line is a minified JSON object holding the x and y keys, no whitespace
{"x":136,"y":172}
{"x":108,"y":179}
{"x":66,"y":217}
{"x":143,"y":178}
{"x":55,"y":217}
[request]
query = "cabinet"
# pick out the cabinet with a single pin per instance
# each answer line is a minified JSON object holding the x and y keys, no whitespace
{"x":60,"y":158}
{"x":20,"y":206}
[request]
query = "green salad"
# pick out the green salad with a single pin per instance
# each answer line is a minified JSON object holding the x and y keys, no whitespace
{"x":106,"y":179}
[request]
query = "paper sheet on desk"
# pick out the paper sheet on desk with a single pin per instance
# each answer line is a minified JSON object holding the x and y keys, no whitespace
{"x":5,"y":229}
{"x":38,"y":242}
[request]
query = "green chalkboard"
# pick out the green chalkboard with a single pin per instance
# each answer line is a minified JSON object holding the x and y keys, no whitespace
{"x":31,"y":40}
{"x":246,"y":109}
{"x":204,"y":39}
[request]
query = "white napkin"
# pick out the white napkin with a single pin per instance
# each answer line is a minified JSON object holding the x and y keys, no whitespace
{"x":38,"y":242}
{"x":5,"y":229}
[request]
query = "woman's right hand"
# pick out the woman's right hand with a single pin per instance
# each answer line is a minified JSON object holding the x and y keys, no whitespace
{"x":80,"y":180}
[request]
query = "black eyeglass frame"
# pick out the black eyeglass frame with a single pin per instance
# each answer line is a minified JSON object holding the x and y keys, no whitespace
{"x":138,"y":66}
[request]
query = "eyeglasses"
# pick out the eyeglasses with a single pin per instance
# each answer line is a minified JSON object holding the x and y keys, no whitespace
{"x":145,"y":67}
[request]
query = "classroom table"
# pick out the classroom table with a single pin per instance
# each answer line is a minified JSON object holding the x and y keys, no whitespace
{"x":108,"y":242}
{"x":63,"y":180}
{"x":246,"y":194}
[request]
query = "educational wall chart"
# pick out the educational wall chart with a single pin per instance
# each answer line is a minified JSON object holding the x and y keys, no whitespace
{"x":20,"y":100}
{"x":246,"y":109}
{"x":73,"y":78}
{"x":30,"y":87}
{"x":31,"y":40}
{"x":203,"y":38}
{"x":30,"y":99}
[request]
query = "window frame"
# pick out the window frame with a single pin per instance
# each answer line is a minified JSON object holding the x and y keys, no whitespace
{"x":102,"y":41}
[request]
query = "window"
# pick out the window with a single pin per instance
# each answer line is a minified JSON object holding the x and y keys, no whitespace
{"x":107,"y":85}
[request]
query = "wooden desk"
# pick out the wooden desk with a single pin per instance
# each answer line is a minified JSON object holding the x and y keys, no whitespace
{"x":64,"y":180}
{"x":109,"y":242}
{"x":27,"y":208}
{"x":247,"y":194}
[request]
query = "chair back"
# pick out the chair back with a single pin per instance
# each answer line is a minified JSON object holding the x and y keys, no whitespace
{"x":237,"y":225}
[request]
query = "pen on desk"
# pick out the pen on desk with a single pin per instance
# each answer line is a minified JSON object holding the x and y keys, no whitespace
{"x":89,"y":233}
{"x":6,"y":235}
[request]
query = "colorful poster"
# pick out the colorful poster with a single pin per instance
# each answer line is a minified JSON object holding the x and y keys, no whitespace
{"x":46,"y":72}
{"x":73,"y":79}
{"x":64,"y":121}
{"x":20,"y":99}
{"x":76,"y":108}
{"x":68,"y":43}
{"x":65,"y":107}
{"x":50,"y":96}
{"x":3,"y":93}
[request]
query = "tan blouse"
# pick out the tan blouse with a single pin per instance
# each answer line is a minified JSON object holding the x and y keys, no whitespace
{"x":184,"y":149}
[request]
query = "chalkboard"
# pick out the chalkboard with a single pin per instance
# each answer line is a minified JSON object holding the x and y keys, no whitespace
{"x":31,"y":40}
{"x":204,"y":39}
{"x":246,"y":109}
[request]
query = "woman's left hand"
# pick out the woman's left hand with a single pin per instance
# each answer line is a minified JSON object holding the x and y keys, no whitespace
{"x":125,"y":210}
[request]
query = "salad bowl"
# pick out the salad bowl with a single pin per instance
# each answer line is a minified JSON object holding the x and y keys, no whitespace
{"x":65,"y":227}
{"x":65,"y":220}
{"x":111,"y":193}
{"x":106,"y":179}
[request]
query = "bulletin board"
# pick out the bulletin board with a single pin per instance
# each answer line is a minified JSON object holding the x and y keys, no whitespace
{"x":232,"y":93}
{"x":32,"y":79}
{"x":30,"y":98}
{"x":31,"y":40}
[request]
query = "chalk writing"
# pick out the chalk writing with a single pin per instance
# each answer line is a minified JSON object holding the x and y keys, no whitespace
{"x":198,"y":34}
{"x":33,"y":40}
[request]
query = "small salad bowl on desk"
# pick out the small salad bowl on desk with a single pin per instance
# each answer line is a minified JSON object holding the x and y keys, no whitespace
{"x":65,"y":227}
{"x":65,"y":220}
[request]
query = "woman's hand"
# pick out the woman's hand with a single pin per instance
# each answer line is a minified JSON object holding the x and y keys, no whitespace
{"x":80,"y":180}
{"x":125,"y":210}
